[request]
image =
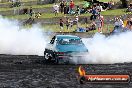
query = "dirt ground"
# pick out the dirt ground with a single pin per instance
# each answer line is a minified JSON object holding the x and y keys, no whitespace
{"x":26,"y":72}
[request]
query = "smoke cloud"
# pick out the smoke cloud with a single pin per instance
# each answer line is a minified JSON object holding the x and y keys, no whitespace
{"x":20,"y":41}
{"x":107,"y":50}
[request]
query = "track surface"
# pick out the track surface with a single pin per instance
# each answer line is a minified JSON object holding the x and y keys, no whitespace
{"x":27,"y":72}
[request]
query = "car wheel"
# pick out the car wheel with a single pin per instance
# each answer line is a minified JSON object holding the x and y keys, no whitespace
{"x":47,"y":57}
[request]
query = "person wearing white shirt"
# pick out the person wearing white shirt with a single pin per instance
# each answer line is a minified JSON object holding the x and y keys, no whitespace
{"x":56,"y":9}
{"x":121,"y":23}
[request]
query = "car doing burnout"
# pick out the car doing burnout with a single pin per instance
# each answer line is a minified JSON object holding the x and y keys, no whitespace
{"x":64,"y":47}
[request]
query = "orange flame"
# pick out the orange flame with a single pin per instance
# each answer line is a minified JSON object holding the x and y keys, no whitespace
{"x":81,"y":71}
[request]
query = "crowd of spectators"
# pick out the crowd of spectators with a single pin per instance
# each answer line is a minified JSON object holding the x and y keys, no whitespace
{"x":68,"y":7}
{"x":96,"y":19}
{"x":15,"y":3}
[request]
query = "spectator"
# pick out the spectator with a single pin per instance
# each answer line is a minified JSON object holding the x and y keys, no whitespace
{"x":67,"y":23}
{"x":77,"y":11}
{"x":116,"y":24}
{"x":66,"y":8}
{"x":71,"y":6}
{"x":56,"y":9}
{"x":92,"y":27}
{"x":31,"y":11}
{"x":24,"y":11}
{"x":71,"y":23}
{"x":121,"y":23}
{"x":62,"y":6}
{"x":129,"y":23}
{"x":94,"y":12}
{"x":129,"y":9}
{"x":98,"y":24}
{"x":110,"y":4}
{"x":61,"y":24}
{"x":99,"y":8}
{"x":38,"y":15}
{"x":101,"y":19}
{"x":76,"y":20}
{"x":83,"y":11}
{"x":16,"y":3}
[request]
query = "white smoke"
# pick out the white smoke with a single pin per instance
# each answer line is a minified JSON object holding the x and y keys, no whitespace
{"x":112,"y":49}
{"x":20,"y":41}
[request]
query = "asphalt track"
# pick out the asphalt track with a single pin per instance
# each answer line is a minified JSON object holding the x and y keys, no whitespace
{"x":29,"y":72}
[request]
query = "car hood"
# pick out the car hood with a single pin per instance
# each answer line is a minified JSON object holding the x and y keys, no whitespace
{"x":72,"y":48}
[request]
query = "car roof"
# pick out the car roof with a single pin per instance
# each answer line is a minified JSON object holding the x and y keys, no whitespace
{"x":67,"y":36}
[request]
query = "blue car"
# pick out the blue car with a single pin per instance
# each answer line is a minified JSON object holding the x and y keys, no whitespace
{"x":62,"y":47}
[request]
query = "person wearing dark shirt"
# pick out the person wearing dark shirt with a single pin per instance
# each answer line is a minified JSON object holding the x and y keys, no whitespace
{"x":30,"y":11}
{"x":61,"y":24}
{"x":67,"y":24}
{"x":94,"y":14}
{"x":62,"y":6}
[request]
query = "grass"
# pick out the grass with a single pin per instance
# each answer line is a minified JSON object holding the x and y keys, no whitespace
{"x":116,"y":12}
{"x":21,"y":1}
{"x":26,"y":16}
{"x":56,"y":28}
{"x":33,"y":6}
{"x":108,"y":0}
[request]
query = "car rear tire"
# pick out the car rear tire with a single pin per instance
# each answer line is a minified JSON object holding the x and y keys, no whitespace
{"x":47,"y":57}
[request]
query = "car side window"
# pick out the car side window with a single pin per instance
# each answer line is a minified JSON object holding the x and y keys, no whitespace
{"x":52,"y":40}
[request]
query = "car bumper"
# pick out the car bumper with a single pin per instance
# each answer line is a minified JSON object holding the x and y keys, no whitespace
{"x":72,"y":58}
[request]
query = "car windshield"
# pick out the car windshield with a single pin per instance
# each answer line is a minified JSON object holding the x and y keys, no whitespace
{"x":69,"y":41}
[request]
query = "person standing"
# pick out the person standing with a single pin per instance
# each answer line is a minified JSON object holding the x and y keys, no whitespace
{"x":70,"y":23}
{"x":67,"y":23}
{"x":116,"y":24}
{"x":66,"y":9}
{"x":102,"y":21}
{"x":56,"y":9}
{"x":94,"y":14}
{"x":98,"y":24}
{"x":62,"y":6}
{"x":31,"y":11}
{"x":61,"y":24}
{"x":121,"y":23}
{"x":71,"y":6}
{"x":76,"y":20}
{"x":78,"y":11}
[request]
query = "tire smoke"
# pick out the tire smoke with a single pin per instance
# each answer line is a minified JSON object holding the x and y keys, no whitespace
{"x":108,"y":50}
{"x":20,"y":41}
